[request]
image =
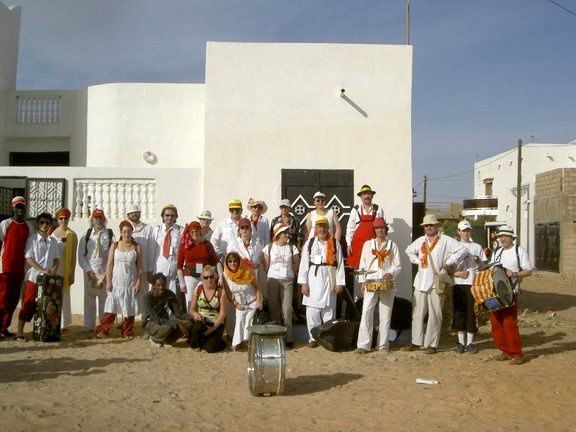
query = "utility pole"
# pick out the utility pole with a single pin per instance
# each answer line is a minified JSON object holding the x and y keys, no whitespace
{"x":519,"y":193}
{"x":425,"y":192}
{"x":407,"y":22}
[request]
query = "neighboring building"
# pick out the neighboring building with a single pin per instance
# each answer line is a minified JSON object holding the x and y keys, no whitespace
{"x":495,"y":186}
{"x":270,"y":122}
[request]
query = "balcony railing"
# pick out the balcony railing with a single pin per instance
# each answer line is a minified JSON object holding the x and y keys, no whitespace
{"x":480,"y":203}
{"x":113,"y":196}
{"x":38,"y":110}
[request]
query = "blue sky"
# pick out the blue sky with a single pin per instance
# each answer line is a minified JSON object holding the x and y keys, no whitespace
{"x":486,"y":72}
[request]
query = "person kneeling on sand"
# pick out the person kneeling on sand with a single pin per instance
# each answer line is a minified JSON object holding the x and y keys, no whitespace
{"x":163,"y":329}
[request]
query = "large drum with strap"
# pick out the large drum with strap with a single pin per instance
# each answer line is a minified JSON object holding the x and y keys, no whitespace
{"x":46,"y":326}
{"x":493,"y":289}
{"x":266,"y":360}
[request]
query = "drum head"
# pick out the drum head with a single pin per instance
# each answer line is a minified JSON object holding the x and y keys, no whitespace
{"x":503,"y":286}
{"x":268,"y":330}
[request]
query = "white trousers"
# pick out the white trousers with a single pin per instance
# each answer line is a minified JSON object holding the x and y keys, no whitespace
{"x":243,"y":321}
{"x":90,"y":296}
{"x":427,"y":302}
{"x":385,"y":300}
{"x":66,"y":317}
{"x":191,"y":284}
{"x":316,"y":316}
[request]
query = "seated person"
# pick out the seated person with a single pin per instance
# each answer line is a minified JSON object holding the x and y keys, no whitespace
{"x":162,"y":328}
{"x":208,"y":312}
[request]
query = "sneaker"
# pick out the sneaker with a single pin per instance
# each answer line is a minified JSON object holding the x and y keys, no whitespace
{"x":471,"y":348}
{"x":459,"y":348}
{"x":516,"y":361}
{"x":361,"y":351}
{"x":155,"y":344}
{"x":313,"y":344}
{"x":411,"y":347}
{"x":430,"y":350}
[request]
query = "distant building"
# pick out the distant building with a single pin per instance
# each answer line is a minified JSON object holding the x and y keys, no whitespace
{"x":495,"y":187}
{"x":271,"y":121}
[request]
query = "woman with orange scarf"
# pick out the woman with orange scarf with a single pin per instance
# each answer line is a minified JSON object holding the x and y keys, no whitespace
{"x":67,"y":244}
{"x":242,"y":291}
{"x":379,"y":255}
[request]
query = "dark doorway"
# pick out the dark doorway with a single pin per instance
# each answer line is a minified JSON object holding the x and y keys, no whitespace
{"x":40,"y":159}
{"x":547,"y":249}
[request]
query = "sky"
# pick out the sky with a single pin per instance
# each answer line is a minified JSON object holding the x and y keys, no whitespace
{"x":486,"y":72}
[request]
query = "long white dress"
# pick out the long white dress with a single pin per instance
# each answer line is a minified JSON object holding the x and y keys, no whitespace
{"x":245,"y":294}
{"x":122,"y":300}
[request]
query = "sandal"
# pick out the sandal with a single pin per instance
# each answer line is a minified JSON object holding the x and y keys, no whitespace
{"x":20,"y":338}
{"x":101,"y":335}
{"x":128,"y":338}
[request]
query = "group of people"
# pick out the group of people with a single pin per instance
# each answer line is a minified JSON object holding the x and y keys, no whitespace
{"x":207,"y":284}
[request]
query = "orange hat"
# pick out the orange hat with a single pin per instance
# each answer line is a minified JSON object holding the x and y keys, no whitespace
{"x":125,"y":223}
{"x":97,"y":213}
{"x":62,"y":212}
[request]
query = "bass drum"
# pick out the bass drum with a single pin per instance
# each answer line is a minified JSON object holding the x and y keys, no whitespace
{"x":266,"y":360}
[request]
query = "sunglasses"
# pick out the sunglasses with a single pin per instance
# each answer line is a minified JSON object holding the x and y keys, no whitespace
{"x":63,"y":218}
{"x":169,"y":215}
{"x":208,"y":277}
{"x":427,"y":225}
{"x":44,"y":222}
{"x":319,"y":199}
{"x":244,"y":227}
{"x":234,"y":210}
{"x":232,"y":262}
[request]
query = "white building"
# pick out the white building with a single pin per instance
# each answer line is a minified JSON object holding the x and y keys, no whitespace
{"x":495,"y":183}
{"x":270,"y":122}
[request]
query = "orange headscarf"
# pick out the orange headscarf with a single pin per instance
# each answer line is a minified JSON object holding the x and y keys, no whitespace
{"x":62,"y":212}
{"x":244,"y":275}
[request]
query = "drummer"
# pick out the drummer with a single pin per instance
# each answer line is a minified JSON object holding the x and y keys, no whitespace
{"x":381,"y":256}
{"x":504,"y":322}
{"x":359,"y":227}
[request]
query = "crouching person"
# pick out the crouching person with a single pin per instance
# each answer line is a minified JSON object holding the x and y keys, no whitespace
{"x":163,"y":328}
{"x":208,"y":312}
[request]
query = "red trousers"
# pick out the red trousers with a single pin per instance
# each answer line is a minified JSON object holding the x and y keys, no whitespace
{"x":28,"y":302}
{"x":10,"y":288}
{"x":505,"y":331}
{"x":108,"y":321}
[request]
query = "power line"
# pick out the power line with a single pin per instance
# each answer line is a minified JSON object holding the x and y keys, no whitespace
{"x":562,"y":7}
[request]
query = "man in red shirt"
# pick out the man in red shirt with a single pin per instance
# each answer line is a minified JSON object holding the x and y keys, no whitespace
{"x":13,"y":235}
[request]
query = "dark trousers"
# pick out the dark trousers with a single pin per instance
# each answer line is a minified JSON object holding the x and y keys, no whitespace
{"x":10,"y":287}
{"x":212,"y":343}
{"x":464,"y":318}
{"x":165,"y":333}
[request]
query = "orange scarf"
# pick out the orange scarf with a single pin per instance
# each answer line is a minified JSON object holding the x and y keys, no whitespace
{"x":425,"y":251}
{"x":244,"y":275}
{"x":330,"y":252}
{"x":381,"y":255}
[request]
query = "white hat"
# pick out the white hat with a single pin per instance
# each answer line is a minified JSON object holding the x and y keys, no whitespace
{"x":205,"y":214}
{"x":464,"y":225}
{"x":506,"y":230}
{"x":132,"y":208}
{"x":254,"y":202}
{"x":430,"y":220}
{"x":285,"y":203}
{"x":318,"y":195}
{"x":278,"y":228}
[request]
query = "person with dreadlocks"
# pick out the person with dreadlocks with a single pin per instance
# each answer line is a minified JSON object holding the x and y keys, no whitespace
{"x":321,"y":275}
{"x":242,"y":290}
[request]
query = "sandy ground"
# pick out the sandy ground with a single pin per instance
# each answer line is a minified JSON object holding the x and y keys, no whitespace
{"x":83,"y":384}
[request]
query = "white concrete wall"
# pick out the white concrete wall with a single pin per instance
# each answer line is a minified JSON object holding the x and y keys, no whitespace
{"x":274,"y":106}
{"x":125,"y":120}
{"x":176,"y":186}
{"x":9,"y":39}
{"x":503,"y":169}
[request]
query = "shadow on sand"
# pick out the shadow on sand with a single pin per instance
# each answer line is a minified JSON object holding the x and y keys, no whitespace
{"x":308,"y":384}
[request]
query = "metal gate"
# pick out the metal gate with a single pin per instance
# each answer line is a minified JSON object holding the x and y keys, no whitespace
{"x":548,"y":246}
{"x":338,"y":185}
{"x":45,"y":195}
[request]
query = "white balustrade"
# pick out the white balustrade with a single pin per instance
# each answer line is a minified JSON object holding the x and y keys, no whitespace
{"x":113,"y":195}
{"x":37,"y":110}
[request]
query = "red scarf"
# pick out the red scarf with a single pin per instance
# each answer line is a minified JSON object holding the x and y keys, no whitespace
{"x":427,"y":250}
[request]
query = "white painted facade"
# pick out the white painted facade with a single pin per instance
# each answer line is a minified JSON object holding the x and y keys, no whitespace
{"x":263,"y":108}
{"x":501,"y":170}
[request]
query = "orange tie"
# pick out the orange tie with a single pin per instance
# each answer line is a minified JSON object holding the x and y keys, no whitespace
{"x":167,"y":243}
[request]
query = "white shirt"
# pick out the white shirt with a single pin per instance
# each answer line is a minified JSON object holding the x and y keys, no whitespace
{"x":224,"y":234}
{"x":90,"y":262}
{"x":280,"y":259}
{"x":143,"y":236}
{"x":157,"y":260}
{"x":368,"y":261}
{"x":447,"y":251}
{"x":253,"y":252}
{"x":318,"y":254}
{"x":509,"y":260}
{"x":42,"y":250}
{"x":261,"y":231}
{"x":354,"y":220}
{"x":469,"y":262}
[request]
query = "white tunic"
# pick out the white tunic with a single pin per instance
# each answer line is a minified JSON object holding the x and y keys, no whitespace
{"x":160,"y":263}
{"x":122,"y":300}
{"x":368,"y":261}
{"x":42,"y":250}
{"x":143,"y":236}
{"x":244,"y":294}
{"x":321,"y":279}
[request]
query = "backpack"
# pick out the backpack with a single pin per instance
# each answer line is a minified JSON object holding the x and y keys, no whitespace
{"x":310,"y":244}
{"x":89,"y":233}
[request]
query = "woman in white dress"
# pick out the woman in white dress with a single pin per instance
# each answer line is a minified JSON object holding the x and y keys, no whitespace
{"x":334,"y":228}
{"x":122,"y":284}
{"x":242,"y":291}
{"x":67,"y":244}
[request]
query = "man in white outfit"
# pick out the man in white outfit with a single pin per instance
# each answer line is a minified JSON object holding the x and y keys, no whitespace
{"x":227,"y":230}
{"x":142,"y":234}
{"x":433,"y":253}
{"x":321,"y":275}
{"x":92,"y":258}
{"x":381,"y":256}
{"x":163,"y":252}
